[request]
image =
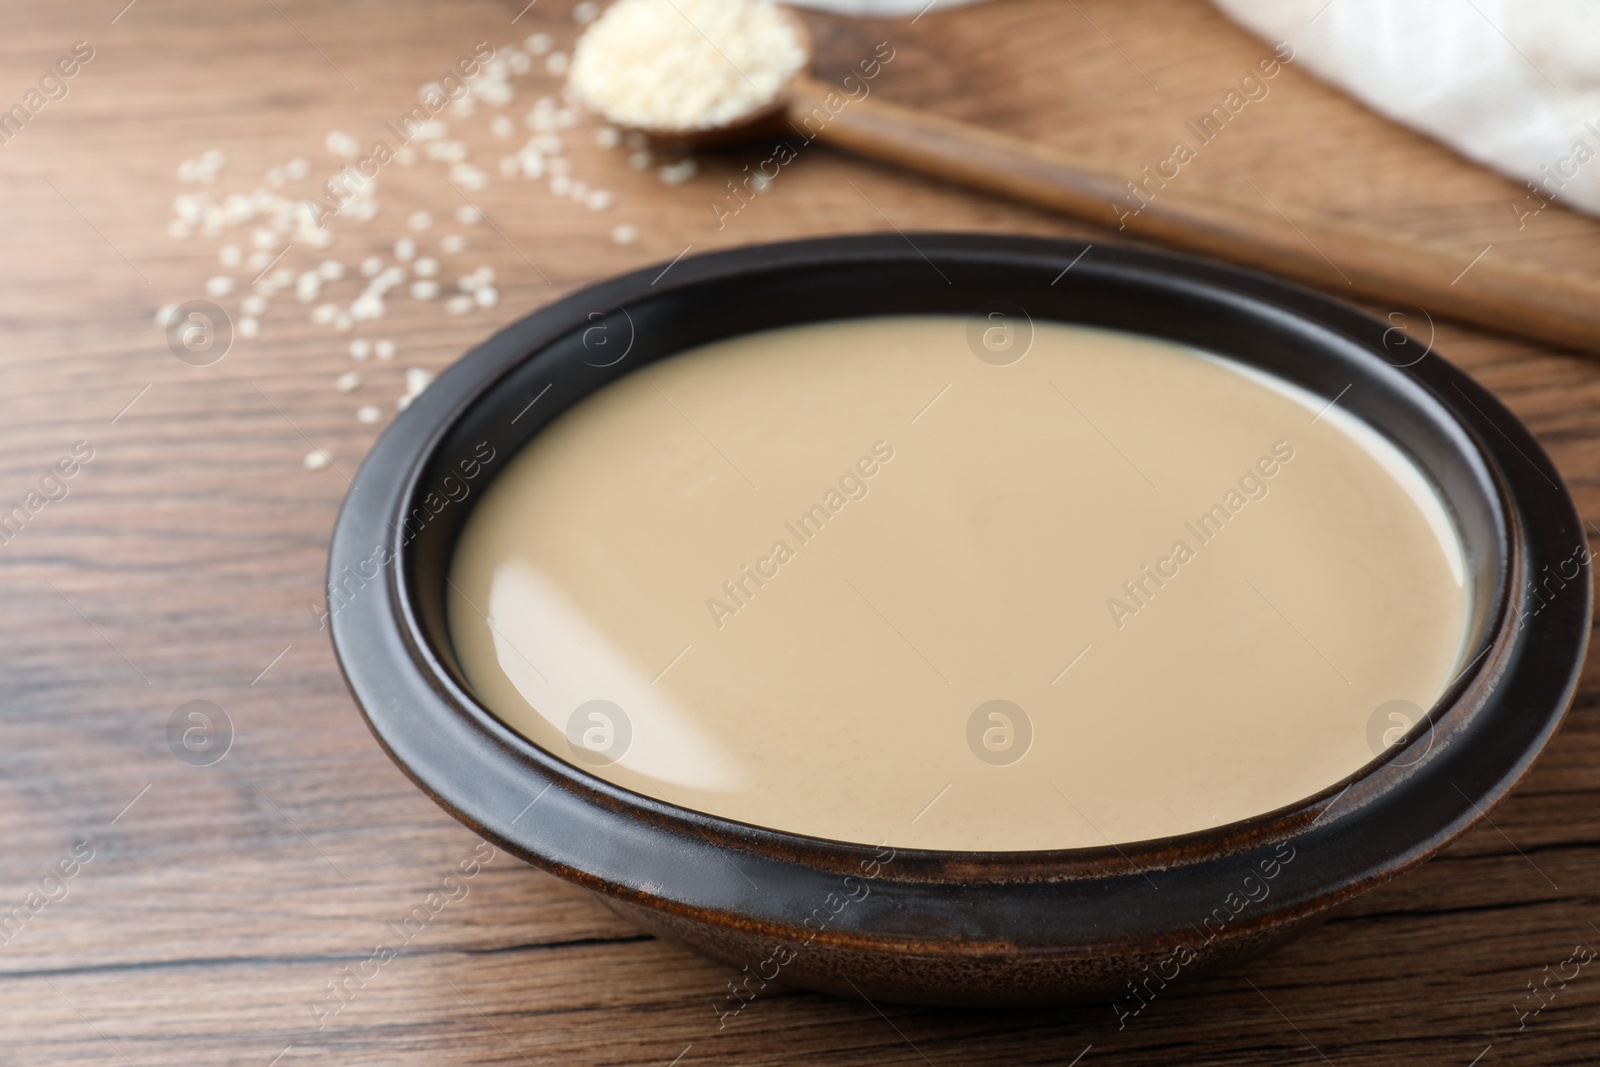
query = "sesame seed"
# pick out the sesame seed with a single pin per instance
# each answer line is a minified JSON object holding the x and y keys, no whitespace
{"x":454,"y":243}
{"x":539,"y":43}
{"x":254,"y":305}
{"x":330,"y":270}
{"x":502,"y":127}
{"x":368,"y":413}
{"x":421,"y":220}
{"x":625,"y":234}
{"x":424,"y":289}
{"x":607,"y":137}
{"x":249,"y":328}
{"x":426,"y":267}
{"x":487,"y":296}
{"x":679,"y":172}
{"x":348,"y":382}
{"x":230,"y":256}
{"x":324,"y":314}
{"x":371,"y":266}
{"x":468,"y":215}
{"x":342,"y":144}
{"x":316,"y":461}
{"x":405,"y":250}
{"x":221,"y":285}
{"x":360,"y":348}
{"x":459,"y":305}
{"x":298,"y":168}
{"x":385,"y":349}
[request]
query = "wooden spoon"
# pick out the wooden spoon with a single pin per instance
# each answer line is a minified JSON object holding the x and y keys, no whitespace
{"x":1398,"y":273}
{"x":1403,"y":274}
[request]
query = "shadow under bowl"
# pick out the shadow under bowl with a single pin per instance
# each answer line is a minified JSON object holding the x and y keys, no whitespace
{"x":962,"y":928}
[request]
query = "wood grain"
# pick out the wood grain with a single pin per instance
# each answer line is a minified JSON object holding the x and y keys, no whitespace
{"x":185,"y":562}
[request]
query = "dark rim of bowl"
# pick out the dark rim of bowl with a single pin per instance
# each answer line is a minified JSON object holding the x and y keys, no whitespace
{"x":1481,"y":737}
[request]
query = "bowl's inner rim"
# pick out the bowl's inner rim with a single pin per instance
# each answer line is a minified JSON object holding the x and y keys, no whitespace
{"x":1491,"y":567}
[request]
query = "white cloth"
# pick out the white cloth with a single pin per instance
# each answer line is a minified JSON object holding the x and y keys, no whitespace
{"x":1513,"y":84}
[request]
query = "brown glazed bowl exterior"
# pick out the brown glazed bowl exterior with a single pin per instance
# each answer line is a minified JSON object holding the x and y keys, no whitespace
{"x":961,"y":928}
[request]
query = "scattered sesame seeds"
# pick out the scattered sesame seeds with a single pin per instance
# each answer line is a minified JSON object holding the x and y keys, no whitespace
{"x":230,"y":256}
{"x":585,"y":12}
{"x":468,"y":215}
{"x":486,"y":296}
{"x":259,"y":260}
{"x":556,"y":63}
{"x":406,"y":157}
{"x":426,"y":267}
{"x":316,"y":460}
{"x":424,"y":289}
{"x":165,"y":315}
{"x":405,"y":250}
{"x":348,"y":382}
{"x":249,"y":328}
{"x":324,"y":314}
{"x":539,"y":43}
{"x":625,"y":234}
{"x":308,"y":286}
{"x":298,"y":169}
{"x":502,"y":127}
{"x":421,"y":220}
{"x":360,"y":349}
{"x":459,"y":305}
{"x":468,"y":283}
{"x":368,"y":413}
{"x":607,"y":137}
{"x":384,"y":349}
{"x":372,"y":266}
{"x":254,"y":304}
{"x":599,"y":200}
{"x":518,"y":62}
{"x":640,"y":159}
{"x":510,"y":166}
{"x":221,"y":285}
{"x":330,"y":270}
{"x":179,"y":229}
{"x":454,"y":243}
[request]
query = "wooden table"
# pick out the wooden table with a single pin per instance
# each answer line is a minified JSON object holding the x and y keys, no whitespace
{"x":186,"y":562}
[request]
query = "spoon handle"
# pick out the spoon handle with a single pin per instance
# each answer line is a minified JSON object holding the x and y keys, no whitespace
{"x":1539,"y":303}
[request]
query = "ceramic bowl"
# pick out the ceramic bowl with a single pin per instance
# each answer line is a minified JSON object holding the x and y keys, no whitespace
{"x":961,"y":928}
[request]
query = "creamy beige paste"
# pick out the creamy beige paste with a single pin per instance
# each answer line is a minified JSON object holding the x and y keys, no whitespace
{"x":784,"y":578}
